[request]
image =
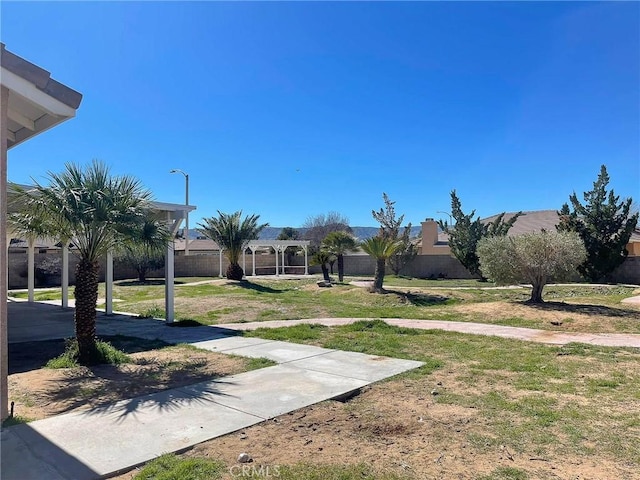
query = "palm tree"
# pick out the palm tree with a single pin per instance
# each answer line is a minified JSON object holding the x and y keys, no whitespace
{"x":145,"y":249}
{"x":339,"y":243}
{"x":381,"y":248}
{"x":322,"y":257}
{"x":232,"y":235}
{"x":96,"y":212}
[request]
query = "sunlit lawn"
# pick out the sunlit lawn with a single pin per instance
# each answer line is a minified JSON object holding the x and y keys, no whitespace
{"x":220,"y":301}
{"x":552,"y":403}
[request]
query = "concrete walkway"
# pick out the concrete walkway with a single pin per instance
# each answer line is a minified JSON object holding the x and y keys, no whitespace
{"x":104,"y":441}
{"x":527,"y":334}
{"x":116,"y":437}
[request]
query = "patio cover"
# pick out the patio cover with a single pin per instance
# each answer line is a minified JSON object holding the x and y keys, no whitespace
{"x":30,"y":103}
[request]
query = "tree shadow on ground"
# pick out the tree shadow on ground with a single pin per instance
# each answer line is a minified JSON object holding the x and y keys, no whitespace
{"x":27,"y":356}
{"x":146,"y":283}
{"x":256,"y":287}
{"x":123,"y":389}
{"x":586,"y":309}
{"x":420,"y":299}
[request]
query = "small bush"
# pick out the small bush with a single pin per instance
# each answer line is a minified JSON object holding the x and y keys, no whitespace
{"x":258,"y":363}
{"x":104,"y":353}
{"x":152,"y":312}
{"x":15,"y":420}
{"x":378,"y":326}
{"x":506,"y":473}
{"x":309,"y":471}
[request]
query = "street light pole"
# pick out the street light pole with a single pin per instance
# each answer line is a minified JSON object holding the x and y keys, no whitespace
{"x":186,"y":237}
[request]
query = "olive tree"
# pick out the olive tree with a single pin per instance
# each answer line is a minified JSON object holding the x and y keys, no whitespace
{"x":534,"y":258}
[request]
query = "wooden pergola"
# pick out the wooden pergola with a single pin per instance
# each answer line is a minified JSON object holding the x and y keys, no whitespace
{"x":279,"y":246}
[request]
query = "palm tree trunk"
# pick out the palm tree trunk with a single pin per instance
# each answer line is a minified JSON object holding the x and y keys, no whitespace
{"x":325,"y":273}
{"x":340,"y":268}
{"x":86,"y":295}
{"x":234,"y":272}
{"x":379,"y":275}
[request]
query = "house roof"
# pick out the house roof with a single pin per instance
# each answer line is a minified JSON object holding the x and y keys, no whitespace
{"x":528,"y":222}
{"x":200,"y":245}
{"x":533,"y":221}
{"x":37,"y":102}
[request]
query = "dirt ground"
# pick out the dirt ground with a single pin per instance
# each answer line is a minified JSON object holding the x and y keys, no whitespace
{"x":398,"y":426}
{"x":556,"y":315}
{"x":42,"y":392}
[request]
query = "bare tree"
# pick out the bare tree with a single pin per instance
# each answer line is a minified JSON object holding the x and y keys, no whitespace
{"x":316,"y":228}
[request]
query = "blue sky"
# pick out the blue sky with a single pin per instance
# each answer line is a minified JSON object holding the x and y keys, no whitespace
{"x":289,"y":110}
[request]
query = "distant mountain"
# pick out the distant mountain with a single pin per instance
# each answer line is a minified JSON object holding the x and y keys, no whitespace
{"x":361,"y":233}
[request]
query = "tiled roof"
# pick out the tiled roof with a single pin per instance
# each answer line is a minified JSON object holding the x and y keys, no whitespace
{"x":39,"y":77}
{"x":202,"y":245}
{"x":532,"y":221}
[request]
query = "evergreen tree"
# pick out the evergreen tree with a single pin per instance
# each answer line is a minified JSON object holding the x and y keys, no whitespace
{"x":289,"y":233}
{"x":390,"y":229}
{"x":465,"y":234}
{"x":604,"y":223}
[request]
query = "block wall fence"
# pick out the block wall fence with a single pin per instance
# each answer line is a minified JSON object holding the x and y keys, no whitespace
{"x":423,"y":266}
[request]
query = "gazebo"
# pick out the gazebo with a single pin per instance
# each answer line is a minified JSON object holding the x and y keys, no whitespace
{"x":279,"y":246}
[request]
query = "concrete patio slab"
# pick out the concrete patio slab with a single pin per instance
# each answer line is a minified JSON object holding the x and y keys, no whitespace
{"x":31,"y":464}
{"x":281,"y":352}
{"x":367,"y":368}
{"x":230,"y":343}
{"x":274,"y":391}
{"x":127,"y":433}
{"x":104,"y":441}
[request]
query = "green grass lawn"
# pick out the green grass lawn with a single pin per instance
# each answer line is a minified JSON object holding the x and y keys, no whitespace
{"x":540,"y":401}
{"x":535,"y":398}
{"x":579,"y":307}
